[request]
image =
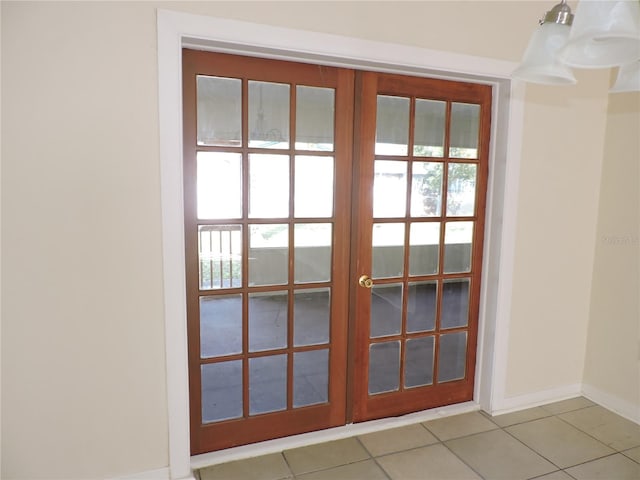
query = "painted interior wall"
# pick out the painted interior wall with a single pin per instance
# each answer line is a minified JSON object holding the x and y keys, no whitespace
{"x":83,"y":376}
{"x":612,"y":365}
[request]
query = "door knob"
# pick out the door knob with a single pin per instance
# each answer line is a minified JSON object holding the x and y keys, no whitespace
{"x":365,"y":281}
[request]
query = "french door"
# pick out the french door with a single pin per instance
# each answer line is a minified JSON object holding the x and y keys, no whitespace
{"x":333,"y":240}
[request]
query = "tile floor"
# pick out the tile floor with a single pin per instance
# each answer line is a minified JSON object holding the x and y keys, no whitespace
{"x":572,"y":439}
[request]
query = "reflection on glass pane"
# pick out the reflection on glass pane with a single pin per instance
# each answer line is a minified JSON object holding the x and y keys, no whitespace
{"x":465,"y":122}
{"x":392,"y":126}
{"x":221,"y":391}
{"x":267,"y":384}
{"x":311,"y":316}
{"x":461,"y":189}
{"x":268,"y":115}
{"x":219,"y":111}
{"x":421,"y":306}
{"x":386,"y":310}
{"x":452,"y":358}
{"x":384,"y":367}
{"x":313,"y":187}
{"x":457,"y":249}
{"x":429,"y":128}
{"x":268,"y":186}
{"x":312,"y":243}
{"x":315,"y":111}
{"x":390,"y":188}
{"x":267,"y":320}
{"x":220,"y":325}
{"x":424,"y":248}
{"x":268,"y":254}
{"x":388,"y":250}
{"x":220,"y":256}
{"x":310,"y":377}
{"x":418,"y":366}
{"x":455,"y":303}
{"x":219,"y":185}
{"x":426,"y":189}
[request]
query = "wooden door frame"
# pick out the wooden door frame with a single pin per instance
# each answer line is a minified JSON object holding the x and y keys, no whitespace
{"x":176,"y":30}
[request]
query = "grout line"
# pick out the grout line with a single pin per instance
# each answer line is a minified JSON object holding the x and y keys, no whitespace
{"x":463,"y":461}
{"x":286,"y":462}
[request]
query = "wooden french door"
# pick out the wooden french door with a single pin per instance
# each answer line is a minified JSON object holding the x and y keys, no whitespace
{"x":333,"y":272}
{"x":423,"y":148}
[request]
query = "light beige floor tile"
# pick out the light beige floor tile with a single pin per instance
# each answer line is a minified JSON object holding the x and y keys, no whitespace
{"x":497,"y":455}
{"x":522,"y":416}
{"x":460,"y":425}
{"x":325,"y":455}
{"x":615,"y":467}
{"x":397,"y":439}
{"x":559,"y":475}
{"x":559,"y":442}
{"x":432,"y":462}
{"x":567,"y":405}
{"x":368,"y":470}
{"x":267,"y":467}
{"x":611,"y":429}
{"x":633,"y":454}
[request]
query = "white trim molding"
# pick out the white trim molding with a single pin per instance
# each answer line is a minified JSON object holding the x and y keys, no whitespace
{"x":177,"y":30}
{"x":624,"y":408}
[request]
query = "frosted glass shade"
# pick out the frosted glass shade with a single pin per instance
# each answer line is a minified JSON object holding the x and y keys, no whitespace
{"x":605,"y":33}
{"x":540,"y":63}
{"x":628,"y":79}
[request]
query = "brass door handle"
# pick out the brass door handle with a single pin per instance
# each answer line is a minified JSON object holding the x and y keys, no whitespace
{"x":365,"y":281}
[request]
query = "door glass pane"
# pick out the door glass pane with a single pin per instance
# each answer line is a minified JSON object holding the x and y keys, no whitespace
{"x":424,"y":248}
{"x":388,"y":250}
{"x":268,"y":186}
{"x":461,"y":190}
{"x":219,"y":185}
{"x":426,"y":189}
{"x":267,"y":320}
{"x":268,"y":115}
{"x":310,"y":377}
{"x":312,"y":243}
{"x":267,"y":384}
{"x":220,"y":256}
{"x":421,"y":306}
{"x":315,"y":112}
{"x":386,"y":310}
{"x":268,"y":254}
{"x":221,"y":391}
{"x":384,"y":367}
{"x":457,"y":249}
{"x":313,"y":187}
{"x":418,"y":362}
{"x":392,"y":126}
{"x":465,"y":123}
{"x":220,"y":325}
{"x":452,"y":358}
{"x":390,"y":189}
{"x":311,"y":316}
{"x":429,"y":128}
{"x":455,"y":303}
{"x":219,"y":111}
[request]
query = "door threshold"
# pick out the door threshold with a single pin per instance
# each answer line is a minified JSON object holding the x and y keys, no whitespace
{"x":311,"y":438}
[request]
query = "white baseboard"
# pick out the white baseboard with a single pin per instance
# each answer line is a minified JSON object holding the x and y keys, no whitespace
{"x":622,"y":407}
{"x":535,"y":399}
{"x":159,"y":474}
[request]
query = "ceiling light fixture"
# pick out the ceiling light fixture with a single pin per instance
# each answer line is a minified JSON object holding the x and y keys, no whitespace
{"x":603,"y":34}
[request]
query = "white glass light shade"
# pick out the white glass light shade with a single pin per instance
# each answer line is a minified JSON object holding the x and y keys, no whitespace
{"x":540,"y":63}
{"x":628,"y":79}
{"x":605,"y":33}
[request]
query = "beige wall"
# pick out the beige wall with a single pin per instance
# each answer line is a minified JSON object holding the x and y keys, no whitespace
{"x":612,"y":365}
{"x":83,"y":377}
